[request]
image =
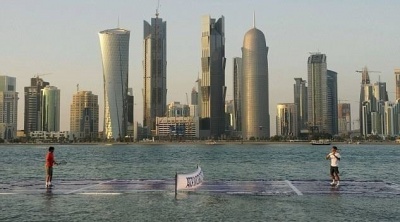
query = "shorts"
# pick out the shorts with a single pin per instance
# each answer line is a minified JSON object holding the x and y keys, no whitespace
{"x":49,"y":171}
{"x":334,"y":170}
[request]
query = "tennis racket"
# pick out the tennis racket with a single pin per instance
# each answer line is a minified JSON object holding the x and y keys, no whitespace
{"x":62,"y":162}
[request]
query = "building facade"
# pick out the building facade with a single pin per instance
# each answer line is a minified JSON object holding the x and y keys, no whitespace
{"x":176,"y":109}
{"x":317,"y":94}
{"x":300,"y":100}
{"x":84,"y":115}
{"x":237,"y":99}
{"x":332,"y":101}
{"x":174,"y":127}
{"x":254,"y":93}
{"x":213,"y":89}
{"x":344,"y":118}
{"x":397,"y":83}
{"x":50,"y":109}
{"x":155,"y":71}
{"x":8,"y":107}
{"x":114,"y":44}
{"x":286,"y":120}
{"x":33,"y":112}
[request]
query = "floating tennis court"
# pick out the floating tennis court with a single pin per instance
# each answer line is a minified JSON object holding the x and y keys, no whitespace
{"x":257,"y":187}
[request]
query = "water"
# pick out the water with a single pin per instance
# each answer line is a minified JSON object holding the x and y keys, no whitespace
{"x":219,"y":162}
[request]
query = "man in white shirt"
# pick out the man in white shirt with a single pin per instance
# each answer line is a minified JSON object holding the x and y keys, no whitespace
{"x":334,"y":156}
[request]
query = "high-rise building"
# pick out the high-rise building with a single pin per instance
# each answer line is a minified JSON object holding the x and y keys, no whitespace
{"x":155,"y":71}
{"x":8,"y":107}
{"x":286,"y":120}
{"x":332,"y":101}
{"x":317,"y":94}
{"x":213,"y":89}
{"x":50,"y":109}
{"x":176,"y":109}
{"x":254,"y":93}
{"x":397,"y":76}
{"x":344,"y":118}
{"x":33,"y":113}
{"x":237,"y":100}
{"x":114,"y":44}
{"x":84,"y":115}
{"x":194,"y":96}
{"x":300,"y":100}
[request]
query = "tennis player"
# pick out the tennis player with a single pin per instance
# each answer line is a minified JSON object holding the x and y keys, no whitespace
{"x":334,"y":156}
{"x":50,"y":162}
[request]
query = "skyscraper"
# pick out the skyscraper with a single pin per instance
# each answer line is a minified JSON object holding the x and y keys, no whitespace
{"x":237,"y":99}
{"x":84,"y":115}
{"x":50,"y":109}
{"x":155,"y":71}
{"x":344,"y":118}
{"x":213,"y":89}
{"x":332,"y":101}
{"x":317,"y":93}
{"x":397,"y":76}
{"x":8,"y":107}
{"x":300,"y":100}
{"x":286,"y":120}
{"x":33,"y":113}
{"x":254,"y":93}
{"x":114,"y":44}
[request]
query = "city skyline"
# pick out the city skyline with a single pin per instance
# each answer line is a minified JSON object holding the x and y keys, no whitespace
{"x":58,"y":38}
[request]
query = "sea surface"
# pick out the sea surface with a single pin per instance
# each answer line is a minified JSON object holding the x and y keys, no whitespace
{"x":227,"y":162}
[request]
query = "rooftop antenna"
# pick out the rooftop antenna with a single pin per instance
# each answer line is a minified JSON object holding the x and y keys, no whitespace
{"x":254,"y":19}
{"x":158,"y":7}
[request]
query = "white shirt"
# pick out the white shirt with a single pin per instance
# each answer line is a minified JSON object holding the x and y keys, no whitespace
{"x":334,"y":160}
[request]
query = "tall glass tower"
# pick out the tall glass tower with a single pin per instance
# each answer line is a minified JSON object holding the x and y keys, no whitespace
{"x":213,"y":89}
{"x":300,"y":100}
{"x":50,"y":109}
{"x":317,"y":93}
{"x":33,"y":112}
{"x":8,"y":107}
{"x":155,"y":71}
{"x":114,"y":44}
{"x":237,"y":100}
{"x":255,"y":95}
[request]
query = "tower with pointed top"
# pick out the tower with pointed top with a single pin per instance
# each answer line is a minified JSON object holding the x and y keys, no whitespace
{"x":255,"y":90}
{"x":155,"y":71}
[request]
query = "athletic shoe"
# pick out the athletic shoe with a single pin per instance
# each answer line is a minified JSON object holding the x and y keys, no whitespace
{"x":333,"y":183}
{"x":337,"y":184}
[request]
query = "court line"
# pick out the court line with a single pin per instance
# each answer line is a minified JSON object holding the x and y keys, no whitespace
{"x":8,"y":193}
{"x":84,"y":188}
{"x":294,"y":188}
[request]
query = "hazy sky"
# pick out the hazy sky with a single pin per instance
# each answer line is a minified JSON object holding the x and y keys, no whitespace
{"x":61,"y":38}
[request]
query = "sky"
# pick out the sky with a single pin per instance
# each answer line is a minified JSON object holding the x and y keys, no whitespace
{"x":60,"y":39}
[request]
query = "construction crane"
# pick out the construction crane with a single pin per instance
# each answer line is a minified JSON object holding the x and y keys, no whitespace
{"x":41,"y":74}
{"x":365,"y":75}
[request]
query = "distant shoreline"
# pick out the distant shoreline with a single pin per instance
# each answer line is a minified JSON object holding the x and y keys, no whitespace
{"x":213,"y":143}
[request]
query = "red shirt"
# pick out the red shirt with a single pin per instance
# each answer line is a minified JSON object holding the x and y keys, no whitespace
{"x":49,"y":159}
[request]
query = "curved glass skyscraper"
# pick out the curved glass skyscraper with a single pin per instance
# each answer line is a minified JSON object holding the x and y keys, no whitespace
{"x":114,"y":45}
{"x":255,"y":96}
{"x":50,"y":109}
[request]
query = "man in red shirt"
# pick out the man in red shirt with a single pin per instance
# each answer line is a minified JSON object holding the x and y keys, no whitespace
{"x":50,"y":161}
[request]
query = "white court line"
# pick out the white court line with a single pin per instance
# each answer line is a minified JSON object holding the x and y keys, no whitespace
{"x":7,"y":193}
{"x":294,"y":188}
{"x":100,"y":193}
{"x":84,"y":188}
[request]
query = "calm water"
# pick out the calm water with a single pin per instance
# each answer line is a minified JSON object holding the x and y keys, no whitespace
{"x":219,"y":162}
